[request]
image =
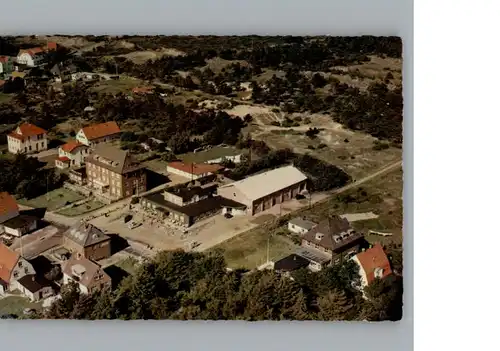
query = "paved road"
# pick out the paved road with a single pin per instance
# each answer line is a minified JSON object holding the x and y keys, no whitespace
{"x":355,"y":184}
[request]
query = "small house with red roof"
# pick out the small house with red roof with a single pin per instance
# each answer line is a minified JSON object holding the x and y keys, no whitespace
{"x":27,"y":138}
{"x":98,"y":133}
{"x":373,"y":263}
{"x":72,"y":154}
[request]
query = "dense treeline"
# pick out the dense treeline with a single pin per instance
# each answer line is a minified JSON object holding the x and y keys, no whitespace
{"x":323,"y":176}
{"x":185,"y":286}
{"x":25,"y":176}
{"x":377,"y":111}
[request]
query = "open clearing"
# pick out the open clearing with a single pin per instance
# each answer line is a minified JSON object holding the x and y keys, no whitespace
{"x":352,"y":151}
{"x":116,"y":86}
{"x":140,"y":57}
{"x":53,"y":200}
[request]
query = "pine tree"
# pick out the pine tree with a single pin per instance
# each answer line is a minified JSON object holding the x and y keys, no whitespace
{"x":333,"y":306}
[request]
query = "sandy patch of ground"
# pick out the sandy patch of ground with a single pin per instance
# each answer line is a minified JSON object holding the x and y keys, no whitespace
{"x":243,"y":110}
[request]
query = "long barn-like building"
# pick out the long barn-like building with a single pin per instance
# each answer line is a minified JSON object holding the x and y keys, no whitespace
{"x":265,"y":190}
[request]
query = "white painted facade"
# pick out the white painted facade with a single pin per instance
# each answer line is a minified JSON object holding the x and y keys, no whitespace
{"x":5,"y":217}
{"x":362,"y":273}
{"x":186,"y":174}
{"x":31,"y":144}
{"x":76,"y":157}
{"x":36,"y":296}
{"x":234,"y":211}
{"x":21,"y":269}
{"x":236,"y":159}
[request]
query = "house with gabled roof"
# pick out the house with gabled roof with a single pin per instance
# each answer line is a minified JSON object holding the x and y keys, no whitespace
{"x":85,"y":240}
{"x":98,"y":133}
{"x":89,"y":275}
{"x":330,"y":242}
{"x":72,"y":154}
{"x":373,"y":263}
{"x":11,"y":221}
{"x":12,"y":268}
{"x":114,"y":173}
{"x":27,"y":138}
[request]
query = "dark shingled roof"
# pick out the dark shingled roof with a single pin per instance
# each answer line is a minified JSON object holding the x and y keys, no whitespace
{"x":331,"y":228}
{"x":20,"y":221}
{"x":113,"y":159}
{"x":85,"y":234}
{"x":195,"y":209}
{"x":188,"y":193}
{"x":291,"y":263}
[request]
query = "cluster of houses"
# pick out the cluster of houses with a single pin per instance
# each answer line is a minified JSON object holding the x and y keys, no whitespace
{"x":330,"y":242}
{"x":210,"y":193}
{"x":26,"y":264}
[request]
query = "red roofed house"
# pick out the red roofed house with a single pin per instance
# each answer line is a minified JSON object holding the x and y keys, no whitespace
{"x":6,"y":66}
{"x":72,"y":154}
{"x":373,"y":263}
{"x":193,"y":170}
{"x":11,"y":222}
{"x":98,"y":133}
{"x":27,"y":138}
{"x":32,"y":57}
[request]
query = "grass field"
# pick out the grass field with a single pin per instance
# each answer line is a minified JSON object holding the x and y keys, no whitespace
{"x":249,"y":249}
{"x":81,"y":209}
{"x":129,"y":265}
{"x":116,"y":86}
{"x":383,"y":196}
{"x":16,"y":305}
{"x":210,"y":154}
{"x":53,"y":200}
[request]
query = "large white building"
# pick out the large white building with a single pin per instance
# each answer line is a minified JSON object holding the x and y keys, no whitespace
{"x":72,"y":154}
{"x":265,"y":190}
{"x":27,"y":138}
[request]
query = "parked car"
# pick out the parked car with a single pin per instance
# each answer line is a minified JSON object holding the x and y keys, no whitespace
{"x":133,"y":225}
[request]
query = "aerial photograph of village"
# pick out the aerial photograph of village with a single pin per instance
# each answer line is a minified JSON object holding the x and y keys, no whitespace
{"x":201,"y":177}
